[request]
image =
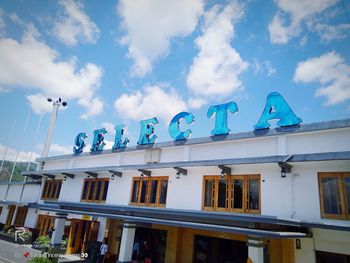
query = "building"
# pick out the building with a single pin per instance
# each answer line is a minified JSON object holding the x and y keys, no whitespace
{"x":273,"y":195}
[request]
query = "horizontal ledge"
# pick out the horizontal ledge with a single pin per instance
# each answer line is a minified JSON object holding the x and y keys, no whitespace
{"x":186,"y":224}
{"x":317,"y":126}
{"x":308,"y":157}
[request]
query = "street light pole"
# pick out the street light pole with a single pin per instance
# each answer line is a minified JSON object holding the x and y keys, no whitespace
{"x":56,"y":105}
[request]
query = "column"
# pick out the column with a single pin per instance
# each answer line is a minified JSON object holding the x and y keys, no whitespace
{"x":255,"y":250}
{"x":127,"y":242}
{"x":58,"y":230}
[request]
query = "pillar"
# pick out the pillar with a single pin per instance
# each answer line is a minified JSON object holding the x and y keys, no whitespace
{"x":255,"y":250}
{"x":58,"y":230}
{"x":127,"y":243}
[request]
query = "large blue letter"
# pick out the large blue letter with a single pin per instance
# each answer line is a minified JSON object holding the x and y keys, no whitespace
{"x":98,"y":143}
{"x":174,"y":129}
{"x":147,"y":130}
{"x":221,"y":117}
{"x":277,"y":108}
{"x":118,"y":143}
{"x":79,"y":143}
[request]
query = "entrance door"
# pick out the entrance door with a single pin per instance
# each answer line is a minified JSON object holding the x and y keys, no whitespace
{"x":45,"y":224}
{"x":149,"y":244}
{"x":215,"y":250}
{"x":326,"y":257}
{"x":81,"y":232}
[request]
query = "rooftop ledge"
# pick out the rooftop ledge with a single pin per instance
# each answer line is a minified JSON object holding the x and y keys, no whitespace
{"x":317,"y":126}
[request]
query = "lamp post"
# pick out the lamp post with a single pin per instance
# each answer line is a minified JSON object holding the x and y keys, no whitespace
{"x":56,"y":105}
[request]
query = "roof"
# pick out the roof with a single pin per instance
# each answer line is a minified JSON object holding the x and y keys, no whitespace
{"x":312,"y":127}
{"x":310,"y":157}
{"x":251,"y":224}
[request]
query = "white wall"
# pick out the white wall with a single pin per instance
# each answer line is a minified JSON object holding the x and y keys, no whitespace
{"x":31,"y":218}
{"x":119,"y":189}
{"x":31,"y":193}
{"x":14,"y":193}
{"x":307,"y":253}
{"x":3,"y":214}
{"x":332,"y":241}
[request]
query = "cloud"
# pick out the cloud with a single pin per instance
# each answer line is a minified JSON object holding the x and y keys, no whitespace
{"x":196,"y":103}
{"x":94,"y":107}
{"x":331,"y":72}
{"x":57,"y":149}
{"x":109,"y":127}
{"x":216,"y":68}
{"x":150,"y":25}
{"x":74,"y":25}
{"x":330,"y":32}
{"x":287,"y":22}
{"x":22,"y":155}
{"x":31,"y":64}
{"x":153,"y":101}
{"x":263,"y":67}
{"x":39,"y":104}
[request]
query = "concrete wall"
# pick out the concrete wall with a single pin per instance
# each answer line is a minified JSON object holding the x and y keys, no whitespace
{"x":3,"y":214}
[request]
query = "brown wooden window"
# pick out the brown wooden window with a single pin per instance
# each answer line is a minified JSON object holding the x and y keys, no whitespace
{"x":95,"y":190}
{"x":334,"y":191}
{"x":10,"y":214}
{"x":234,"y":193}
{"x":45,"y":224}
{"x":52,"y":189}
{"x":21,"y":216}
{"x":150,"y":191}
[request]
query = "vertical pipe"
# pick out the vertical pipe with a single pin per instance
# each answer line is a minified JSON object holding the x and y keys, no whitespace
{"x":51,"y":128}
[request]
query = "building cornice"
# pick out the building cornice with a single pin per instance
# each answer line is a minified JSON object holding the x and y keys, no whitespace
{"x":312,"y":127}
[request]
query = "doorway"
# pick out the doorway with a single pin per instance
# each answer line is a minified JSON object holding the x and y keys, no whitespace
{"x":149,"y":245}
{"x":81,"y":232}
{"x":215,"y":250}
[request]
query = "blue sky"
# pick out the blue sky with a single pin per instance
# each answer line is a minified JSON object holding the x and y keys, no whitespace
{"x":118,"y":62}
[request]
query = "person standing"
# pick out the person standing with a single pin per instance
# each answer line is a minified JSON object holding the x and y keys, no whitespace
{"x":103,"y":251}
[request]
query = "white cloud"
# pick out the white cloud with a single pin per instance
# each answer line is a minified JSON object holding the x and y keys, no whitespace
{"x":109,"y":127}
{"x":57,"y":149}
{"x":39,"y":103}
{"x":94,"y":107}
{"x":331,"y":72}
{"x":216,"y":68}
{"x":263,"y":67}
{"x":153,"y":101}
{"x":330,"y":32}
{"x":150,"y":26}
{"x":196,"y":103}
{"x":31,"y":64}
{"x":75,"y":25}
{"x":22,"y":155}
{"x":287,"y":22}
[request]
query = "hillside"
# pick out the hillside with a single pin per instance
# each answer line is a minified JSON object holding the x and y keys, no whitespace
{"x":20,"y":167}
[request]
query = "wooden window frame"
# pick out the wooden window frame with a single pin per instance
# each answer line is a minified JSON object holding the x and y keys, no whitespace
{"x":49,"y":186}
{"x":10,"y":214}
{"x":149,"y":181}
{"x":21,"y":215}
{"x":44,"y":224}
{"x":345,"y":215}
{"x":94,"y":199}
{"x":229,"y":193}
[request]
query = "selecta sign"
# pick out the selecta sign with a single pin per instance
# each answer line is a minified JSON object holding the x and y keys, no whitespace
{"x":275,"y":108}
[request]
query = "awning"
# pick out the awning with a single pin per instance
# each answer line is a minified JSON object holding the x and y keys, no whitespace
{"x":178,"y":218}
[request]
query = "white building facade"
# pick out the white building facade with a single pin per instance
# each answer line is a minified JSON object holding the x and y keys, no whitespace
{"x":276,"y":195}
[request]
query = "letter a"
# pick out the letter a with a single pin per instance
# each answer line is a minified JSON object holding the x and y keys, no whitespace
{"x":277,"y":108}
